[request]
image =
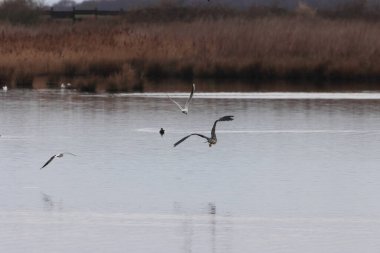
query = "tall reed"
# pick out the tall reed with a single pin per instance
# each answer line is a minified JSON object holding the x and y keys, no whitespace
{"x":124,"y":54}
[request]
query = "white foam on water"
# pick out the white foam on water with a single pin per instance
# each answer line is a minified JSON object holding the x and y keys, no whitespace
{"x":153,"y":218}
{"x":280,"y":131}
{"x":14,"y":137}
{"x":31,"y":187}
{"x":263,"y":95}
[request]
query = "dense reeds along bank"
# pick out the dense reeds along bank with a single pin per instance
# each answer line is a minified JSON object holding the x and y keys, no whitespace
{"x":120,"y":54}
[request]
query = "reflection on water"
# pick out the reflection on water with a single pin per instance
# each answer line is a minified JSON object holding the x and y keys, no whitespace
{"x":229,"y":86}
{"x":49,"y":204}
{"x":259,"y":95}
{"x":212,"y":208}
{"x":291,"y":173}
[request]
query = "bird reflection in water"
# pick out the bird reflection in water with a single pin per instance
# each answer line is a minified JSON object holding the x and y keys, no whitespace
{"x":211,"y":208}
{"x":50,"y":204}
{"x":190,"y":227}
{"x":188,"y":231}
{"x":212,"y":211}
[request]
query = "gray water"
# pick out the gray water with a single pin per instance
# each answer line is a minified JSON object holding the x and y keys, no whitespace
{"x":294,"y":172}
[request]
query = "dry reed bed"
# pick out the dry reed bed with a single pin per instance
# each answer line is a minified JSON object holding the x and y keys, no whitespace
{"x":121,"y":55}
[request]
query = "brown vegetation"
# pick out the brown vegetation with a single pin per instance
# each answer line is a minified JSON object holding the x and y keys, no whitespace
{"x":119,"y":55}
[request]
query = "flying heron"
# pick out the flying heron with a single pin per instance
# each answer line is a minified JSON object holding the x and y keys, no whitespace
{"x":185,"y":109}
{"x":211,"y":141}
{"x":54,"y":156}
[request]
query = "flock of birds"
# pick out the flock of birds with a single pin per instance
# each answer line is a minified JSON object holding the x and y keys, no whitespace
{"x":185,"y":110}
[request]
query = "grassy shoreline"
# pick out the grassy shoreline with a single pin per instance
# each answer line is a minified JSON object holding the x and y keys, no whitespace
{"x":119,"y":55}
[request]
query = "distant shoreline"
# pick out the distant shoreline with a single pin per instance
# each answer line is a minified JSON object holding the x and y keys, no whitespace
{"x":122,"y":56}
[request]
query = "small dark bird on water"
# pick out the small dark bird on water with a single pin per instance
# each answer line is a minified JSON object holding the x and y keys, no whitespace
{"x":211,"y":141}
{"x":162,"y":131}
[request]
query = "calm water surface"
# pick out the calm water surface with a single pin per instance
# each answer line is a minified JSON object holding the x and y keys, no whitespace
{"x":294,"y":172}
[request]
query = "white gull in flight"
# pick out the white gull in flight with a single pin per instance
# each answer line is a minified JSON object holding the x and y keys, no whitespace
{"x":185,"y":109}
{"x":57,"y":155}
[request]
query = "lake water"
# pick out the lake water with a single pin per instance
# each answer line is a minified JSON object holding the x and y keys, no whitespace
{"x":294,"y":172}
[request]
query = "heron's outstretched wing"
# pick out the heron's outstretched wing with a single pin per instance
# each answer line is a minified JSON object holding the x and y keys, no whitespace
{"x":225,"y":118}
{"x":191,"y":96}
{"x":51,"y":159}
{"x":180,"y":107}
{"x":184,"y":138}
{"x":68,"y":153}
